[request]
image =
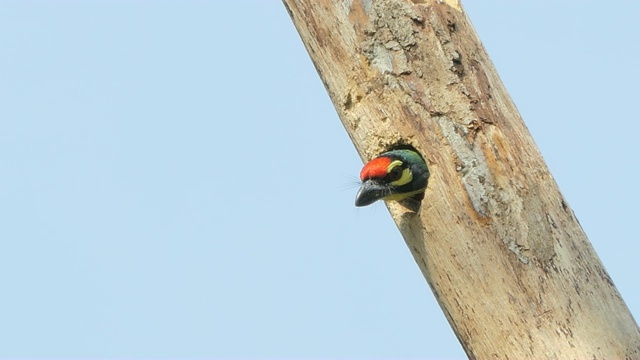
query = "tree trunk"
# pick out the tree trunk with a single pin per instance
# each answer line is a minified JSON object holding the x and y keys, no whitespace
{"x":505,"y":256}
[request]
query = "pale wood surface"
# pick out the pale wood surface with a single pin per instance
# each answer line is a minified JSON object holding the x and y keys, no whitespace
{"x":501,"y":249}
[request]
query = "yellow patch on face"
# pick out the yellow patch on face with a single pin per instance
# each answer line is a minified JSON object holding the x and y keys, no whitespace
{"x":406,"y":176}
{"x":393,"y":164}
{"x":404,"y":179}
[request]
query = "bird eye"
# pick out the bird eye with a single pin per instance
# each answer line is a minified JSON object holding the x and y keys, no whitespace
{"x":395,"y":173}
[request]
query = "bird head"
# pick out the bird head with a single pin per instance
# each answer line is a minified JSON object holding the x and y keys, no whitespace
{"x":394,"y":175}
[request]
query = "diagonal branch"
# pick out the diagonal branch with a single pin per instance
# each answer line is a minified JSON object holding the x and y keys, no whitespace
{"x":502,"y":251}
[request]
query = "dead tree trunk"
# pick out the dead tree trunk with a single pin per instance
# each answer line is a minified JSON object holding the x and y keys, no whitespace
{"x":502,"y":251}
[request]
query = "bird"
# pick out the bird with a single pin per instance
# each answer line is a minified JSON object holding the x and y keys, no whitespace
{"x":394,"y":175}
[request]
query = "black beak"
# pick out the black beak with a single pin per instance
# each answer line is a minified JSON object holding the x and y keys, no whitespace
{"x":370,"y":192}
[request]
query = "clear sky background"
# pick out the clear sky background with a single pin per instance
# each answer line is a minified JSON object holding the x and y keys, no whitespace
{"x":176,"y":183}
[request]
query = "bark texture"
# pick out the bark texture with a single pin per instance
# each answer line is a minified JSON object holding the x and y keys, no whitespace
{"x":500,"y":247}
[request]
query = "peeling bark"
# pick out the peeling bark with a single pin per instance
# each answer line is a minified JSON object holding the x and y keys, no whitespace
{"x":502,"y":251}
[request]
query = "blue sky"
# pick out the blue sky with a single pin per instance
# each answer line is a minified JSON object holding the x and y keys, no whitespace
{"x":176,"y":183}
